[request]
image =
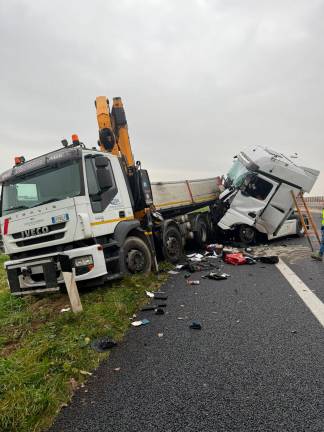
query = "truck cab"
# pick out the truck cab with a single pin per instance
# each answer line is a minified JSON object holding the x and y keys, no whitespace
{"x":75,"y":201}
{"x":258,"y":190}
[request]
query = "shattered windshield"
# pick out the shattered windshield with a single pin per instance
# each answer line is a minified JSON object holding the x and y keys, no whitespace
{"x":42,"y":187}
{"x":237,"y":174}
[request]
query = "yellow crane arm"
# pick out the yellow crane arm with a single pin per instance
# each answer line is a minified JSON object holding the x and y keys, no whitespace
{"x":121,"y":131}
{"x":113,"y":129}
{"x":107,"y":139}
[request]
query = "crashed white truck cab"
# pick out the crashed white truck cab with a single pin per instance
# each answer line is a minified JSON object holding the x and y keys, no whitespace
{"x":258,"y":193}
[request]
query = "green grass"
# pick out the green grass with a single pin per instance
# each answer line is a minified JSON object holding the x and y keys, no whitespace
{"x":45,"y":354}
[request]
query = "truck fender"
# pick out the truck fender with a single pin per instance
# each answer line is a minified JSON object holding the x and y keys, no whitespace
{"x":123,"y":229}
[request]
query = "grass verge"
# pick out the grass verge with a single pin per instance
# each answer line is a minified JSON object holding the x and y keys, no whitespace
{"x":45,"y":354}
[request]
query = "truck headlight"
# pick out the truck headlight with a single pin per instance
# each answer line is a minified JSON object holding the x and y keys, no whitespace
{"x":83,"y":261}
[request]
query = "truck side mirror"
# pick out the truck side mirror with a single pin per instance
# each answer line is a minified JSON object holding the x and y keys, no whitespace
{"x":105,"y":180}
{"x":101,"y":161}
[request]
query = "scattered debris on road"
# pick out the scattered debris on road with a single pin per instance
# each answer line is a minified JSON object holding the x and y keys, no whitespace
{"x":84,"y":372}
{"x":159,"y":311}
{"x":216,"y":247}
{"x":272,"y":259}
{"x":140,"y":322}
{"x":235,"y":258}
{"x":195,"y":325}
{"x":153,"y":307}
{"x":103,"y":344}
{"x":157,"y":295}
{"x":216,"y":276}
{"x":193,"y":282}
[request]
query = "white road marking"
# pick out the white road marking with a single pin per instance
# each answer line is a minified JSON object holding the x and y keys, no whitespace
{"x":309,"y":298}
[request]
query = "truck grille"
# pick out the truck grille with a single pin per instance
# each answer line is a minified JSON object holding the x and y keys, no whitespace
{"x":51,"y":235}
{"x":29,"y":242}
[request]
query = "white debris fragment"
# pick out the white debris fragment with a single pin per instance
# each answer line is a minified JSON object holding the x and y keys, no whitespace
{"x":136,"y":323}
{"x":84,"y":372}
{"x":139,"y":323}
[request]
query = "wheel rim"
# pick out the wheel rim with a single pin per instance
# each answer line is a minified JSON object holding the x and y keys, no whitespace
{"x":135,"y":261}
{"x":247,"y":234}
{"x":172,"y":246}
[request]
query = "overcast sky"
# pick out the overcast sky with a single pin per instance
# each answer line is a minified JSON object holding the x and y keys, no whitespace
{"x":200,"y":79}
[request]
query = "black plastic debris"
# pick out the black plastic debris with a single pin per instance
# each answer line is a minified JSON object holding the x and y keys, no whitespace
{"x":159,"y":311}
{"x":204,"y":264}
{"x":273,"y":259}
{"x":103,"y":344}
{"x":250,"y":260}
{"x":216,"y":276}
{"x":195,"y":325}
{"x":153,"y":307}
{"x":160,"y":296}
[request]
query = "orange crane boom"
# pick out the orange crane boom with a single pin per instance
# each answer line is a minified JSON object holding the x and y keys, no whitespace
{"x":113,"y":130}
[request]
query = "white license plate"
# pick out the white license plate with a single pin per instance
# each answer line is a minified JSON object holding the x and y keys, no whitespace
{"x":60,"y":218}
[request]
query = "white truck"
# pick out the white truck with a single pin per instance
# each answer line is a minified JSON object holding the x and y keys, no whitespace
{"x":98,"y":207}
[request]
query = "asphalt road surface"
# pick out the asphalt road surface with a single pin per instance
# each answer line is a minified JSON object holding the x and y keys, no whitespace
{"x":256,"y":365}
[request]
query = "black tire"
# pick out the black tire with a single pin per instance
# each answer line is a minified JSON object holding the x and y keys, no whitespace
{"x":137,"y":256}
{"x":172,"y":244}
{"x":247,"y":234}
{"x":201,"y":232}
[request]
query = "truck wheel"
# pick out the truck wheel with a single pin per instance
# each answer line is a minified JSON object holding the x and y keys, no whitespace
{"x":201,"y":232}
{"x":247,"y":234}
{"x":137,"y":255}
{"x":172,"y":244}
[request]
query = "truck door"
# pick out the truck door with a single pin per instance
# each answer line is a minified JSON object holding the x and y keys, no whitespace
{"x":251,"y":198}
{"x":109,"y":198}
{"x":277,"y":209}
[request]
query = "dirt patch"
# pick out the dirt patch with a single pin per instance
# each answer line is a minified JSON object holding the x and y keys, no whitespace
{"x":292,"y":253}
{"x":50,"y":303}
{"x":9,"y":348}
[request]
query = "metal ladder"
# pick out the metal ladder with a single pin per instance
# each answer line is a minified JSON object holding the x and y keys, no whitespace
{"x":310,"y":228}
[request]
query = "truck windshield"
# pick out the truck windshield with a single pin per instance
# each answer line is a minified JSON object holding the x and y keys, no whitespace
{"x":37,"y":188}
{"x":237,"y":174}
